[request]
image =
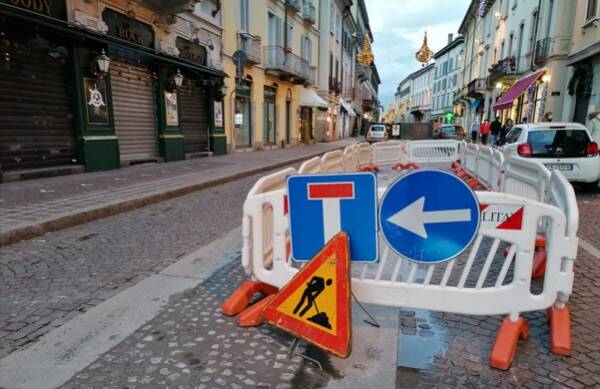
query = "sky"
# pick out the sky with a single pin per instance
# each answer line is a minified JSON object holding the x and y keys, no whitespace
{"x":398,"y":27}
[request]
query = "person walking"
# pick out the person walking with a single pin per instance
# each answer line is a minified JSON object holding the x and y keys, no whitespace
{"x":505,"y":130}
{"x":485,"y":130}
{"x":474,"y":130}
{"x":496,"y":129}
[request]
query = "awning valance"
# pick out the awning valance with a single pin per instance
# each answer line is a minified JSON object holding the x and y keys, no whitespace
{"x":508,"y":97}
{"x":347,"y":108}
{"x":310,"y":98}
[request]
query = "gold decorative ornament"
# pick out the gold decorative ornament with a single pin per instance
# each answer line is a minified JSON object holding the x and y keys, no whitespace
{"x":424,"y":54}
{"x":365,"y":56}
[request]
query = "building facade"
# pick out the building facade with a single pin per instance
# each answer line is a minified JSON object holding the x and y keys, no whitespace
{"x":270,"y":100}
{"x":582,"y":97}
{"x":515,"y":59}
{"x":421,"y":88}
{"x":96,"y":85}
{"x":448,"y":63}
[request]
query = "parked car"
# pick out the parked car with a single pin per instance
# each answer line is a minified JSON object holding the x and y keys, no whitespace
{"x":567,"y":147}
{"x":377,"y":133}
{"x":450,"y":131}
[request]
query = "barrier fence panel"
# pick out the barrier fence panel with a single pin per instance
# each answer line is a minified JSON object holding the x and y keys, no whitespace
{"x":257,"y":223}
{"x":484,"y":166}
{"x":363,"y":153}
{"x":311,"y":166}
{"x":562,"y":195}
{"x":427,"y":151}
{"x":350,"y":160}
{"x":386,"y":153}
{"x":497,"y":172}
{"x":333,"y":161}
{"x":471,"y":152}
{"x":527,"y":179}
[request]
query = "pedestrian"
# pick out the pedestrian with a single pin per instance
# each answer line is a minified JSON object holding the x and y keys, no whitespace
{"x":496,"y":129}
{"x":485,"y":130}
{"x":548,"y":116}
{"x":474,"y":130}
{"x":524,"y":120}
{"x":505,"y":130}
{"x":595,"y":125}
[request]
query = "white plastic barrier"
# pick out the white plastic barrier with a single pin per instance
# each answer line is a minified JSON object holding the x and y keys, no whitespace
{"x":480,"y":281}
{"x":484,"y":166}
{"x":471,"y":153}
{"x":385,"y":153}
{"x":333,"y":161}
{"x":350,"y":160}
{"x":311,"y":166}
{"x":427,"y":151}
{"x":528,"y":179}
{"x":363,"y":153}
{"x":258,"y":223}
{"x":497,"y":170}
{"x":477,"y":282}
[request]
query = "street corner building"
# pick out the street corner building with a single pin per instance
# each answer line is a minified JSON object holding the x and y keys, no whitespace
{"x":96,"y":85}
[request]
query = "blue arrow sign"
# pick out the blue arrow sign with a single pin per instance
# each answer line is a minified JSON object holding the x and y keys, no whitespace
{"x":429,"y":216}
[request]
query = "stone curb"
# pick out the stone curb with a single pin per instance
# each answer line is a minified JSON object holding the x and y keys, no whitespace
{"x":81,"y":217}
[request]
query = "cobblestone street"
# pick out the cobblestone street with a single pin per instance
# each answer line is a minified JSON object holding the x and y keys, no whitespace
{"x":46,"y":281}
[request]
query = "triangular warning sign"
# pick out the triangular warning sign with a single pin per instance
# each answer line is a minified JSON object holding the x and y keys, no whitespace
{"x":315,"y":304}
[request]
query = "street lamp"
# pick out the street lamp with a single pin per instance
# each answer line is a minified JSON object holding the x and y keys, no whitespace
{"x":177,"y":79}
{"x":103,"y":64}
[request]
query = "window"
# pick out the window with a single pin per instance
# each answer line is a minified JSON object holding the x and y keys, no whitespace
{"x":532,"y":31}
{"x":592,"y":7}
{"x":290,"y":36}
{"x":338,"y":26}
{"x":550,"y":15}
{"x":306,"y":50}
{"x":244,"y":16}
{"x":332,"y":18}
{"x":274,"y":30}
{"x":450,"y":64}
{"x":513,"y":135}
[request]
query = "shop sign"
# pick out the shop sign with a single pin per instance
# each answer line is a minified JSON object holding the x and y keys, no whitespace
{"x":190,"y":51}
{"x":95,"y":101}
{"x":218,"y":107}
{"x":128,"y":29}
{"x":171,"y":108}
{"x":52,"y":8}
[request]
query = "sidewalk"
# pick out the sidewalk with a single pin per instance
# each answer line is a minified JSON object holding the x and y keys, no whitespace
{"x":33,"y":208}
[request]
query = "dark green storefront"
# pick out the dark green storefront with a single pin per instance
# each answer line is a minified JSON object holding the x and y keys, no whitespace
{"x":97,"y":132}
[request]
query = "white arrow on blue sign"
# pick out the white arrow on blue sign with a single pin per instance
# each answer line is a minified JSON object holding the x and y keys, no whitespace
{"x":322,"y":205}
{"x":429,"y":216}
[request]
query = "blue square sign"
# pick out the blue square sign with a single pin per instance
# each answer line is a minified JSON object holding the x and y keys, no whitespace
{"x":323,"y":205}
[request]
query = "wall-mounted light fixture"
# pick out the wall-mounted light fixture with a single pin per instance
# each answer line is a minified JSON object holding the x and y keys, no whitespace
{"x":177,"y":79}
{"x":499,"y":85}
{"x":546,"y":78}
{"x":101,"y":65}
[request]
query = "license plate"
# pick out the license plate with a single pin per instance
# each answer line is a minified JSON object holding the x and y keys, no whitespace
{"x":565,"y":167}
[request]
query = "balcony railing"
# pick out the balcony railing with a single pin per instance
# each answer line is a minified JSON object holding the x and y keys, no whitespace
{"x":309,"y":11}
{"x":549,"y":47}
{"x":250,"y":45}
{"x":510,"y":67}
{"x":477,"y":86}
{"x":286,"y":64}
{"x":294,"y":5}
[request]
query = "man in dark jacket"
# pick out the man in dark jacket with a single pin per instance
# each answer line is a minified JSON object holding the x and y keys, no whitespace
{"x":496,"y":129}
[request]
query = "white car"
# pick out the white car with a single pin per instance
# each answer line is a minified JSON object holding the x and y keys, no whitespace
{"x":376,"y":133}
{"x":567,"y":147}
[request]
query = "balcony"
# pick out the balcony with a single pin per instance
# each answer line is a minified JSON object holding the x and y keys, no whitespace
{"x":168,"y":6}
{"x":551,"y":47}
{"x":293,"y":5}
{"x":250,"y":45}
{"x":309,"y":11}
{"x":477,"y":87}
{"x":288,"y":66}
{"x":367,"y":105}
{"x":508,"y":68}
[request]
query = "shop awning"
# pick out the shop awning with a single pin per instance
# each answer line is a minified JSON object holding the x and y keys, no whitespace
{"x":310,"y":98}
{"x":347,"y":107}
{"x":507,"y":98}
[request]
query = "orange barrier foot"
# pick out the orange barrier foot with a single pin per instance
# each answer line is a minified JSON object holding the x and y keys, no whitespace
{"x":560,"y":330}
{"x":506,"y":342}
{"x":539,"y":264}
{"x":252,"y":316}
{"x":240,"y":298}
{"x":540,"y":242}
